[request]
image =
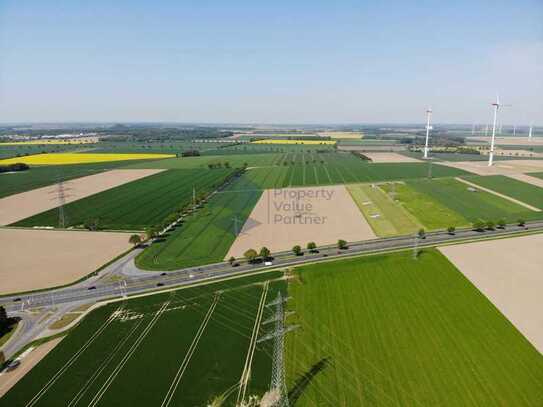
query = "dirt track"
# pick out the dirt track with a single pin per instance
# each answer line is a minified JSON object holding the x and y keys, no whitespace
{"x":509,"y":273}
{"x":21,"y":206}
{"x":8,"y":380}
{"x":35,"y":259}
{"x":509,"y":167}
{"x":390,"y":158}
{"x":283,"y":218}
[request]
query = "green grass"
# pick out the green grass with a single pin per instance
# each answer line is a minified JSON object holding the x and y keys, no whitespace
{"x":536,"y":174}
{"x":9,"y":151}
{"x":37,"y":177}
{"x":473,"y":206}
{"x":385,"y":217}
{"x":429,"y":212}
{"x":144,"y":379}
{"x":137,"y":204}
{"x":205,"y":236}
{"x":393,"y":331}
{"x":519,"y":190}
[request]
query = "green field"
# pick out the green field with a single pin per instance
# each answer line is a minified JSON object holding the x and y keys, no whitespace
{"x":429,"y":212}
{"x":134,"y":357}
{"x":36,"y":177}
{"x":235,"y":161}
{"x":386,"y":217}
{"x":311,"y":169}
{"x":393,"y":331}
{"x":519,"y":190}
{"x":137,"y":204}
{"x":205,"y":236}
{"x":537,"y":174}
{"x":8,"y":151}
{"x":472,"y":206}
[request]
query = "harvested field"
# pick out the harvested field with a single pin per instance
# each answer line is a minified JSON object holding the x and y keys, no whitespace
{"x":283,"y":218}
{"x":9,"y":379}
{"x":35,"y":261}
{"x":390,"y":158}
{"x":21,"y":206}
{"x":498,"y":168}
{"x":508,"y":272}
{"x":509,"y":141}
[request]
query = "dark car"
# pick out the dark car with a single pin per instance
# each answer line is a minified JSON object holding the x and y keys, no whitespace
{"x":162,"y":274}
{"x":160,"y":284}
{"x":93,"y":287}
{"x":16,"y":300}
{"x":13,"y":365}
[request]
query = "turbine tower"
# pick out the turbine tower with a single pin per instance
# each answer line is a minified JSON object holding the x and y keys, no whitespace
{"x":428,"y":127}
{"x":530,"y":132}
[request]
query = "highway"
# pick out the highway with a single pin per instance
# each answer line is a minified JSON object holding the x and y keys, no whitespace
{"x":142,"y":282}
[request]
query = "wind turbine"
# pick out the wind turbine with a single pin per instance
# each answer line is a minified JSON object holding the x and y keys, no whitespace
{"x":530,"y":132}
{"x":428,"y":127}
{"x":496,"y":105}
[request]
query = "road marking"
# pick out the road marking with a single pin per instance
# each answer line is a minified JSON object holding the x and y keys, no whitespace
{"x":98,"y":396}
{"x":192,"y":348}
{"x":71,"y":361}
{"x":246,"y":373}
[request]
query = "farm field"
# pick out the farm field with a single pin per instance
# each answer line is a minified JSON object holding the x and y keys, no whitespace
{"x":284,"y":218}
{"x":473,"y":206}
{"x":195,"y":341}
{"x":137,"y":204}
{"x":377,"y":330}
{"x":513,"y":188}
{"x":385,"y":217}
{"x":430,"y":213}
{"x":302,"y":142}
{"x":536,"y":174}
{"x":234,"y":161}
{"x":82,"y":253}
{"x":528,"y":178}
{"x":389,"y":158}
{"x":25,"y":204}
{"x":204,"y":237}
{"x":8,"y":151}
{"x":508,"y":272}
{"x":37,"y":177}
{"x":79,"y":158}
{"x":505,"y":167}
{"x":309,"y":169}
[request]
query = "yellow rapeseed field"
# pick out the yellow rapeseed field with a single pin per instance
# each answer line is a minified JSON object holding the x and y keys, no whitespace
{"x":279,"y":141}
{"x":73,"y":158}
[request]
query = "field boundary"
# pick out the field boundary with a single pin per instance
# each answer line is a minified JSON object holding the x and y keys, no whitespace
{"x":490,"y":191}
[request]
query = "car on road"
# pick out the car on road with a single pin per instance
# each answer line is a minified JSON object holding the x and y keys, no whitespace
{"x":92,"y":287}
{"x":13,"y":365}
{"x":268,"y":263}
{"x":160,"y":284}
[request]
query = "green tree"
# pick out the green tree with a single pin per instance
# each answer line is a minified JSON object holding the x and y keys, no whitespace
{"x":479,"y":225}
{"x":135,"y":240}
{"x":421,"y":233}
{"x":250,"y":255}
{"x":297,"y":250}
{"x":341,"y":244}
{"x":2,"y":359}
{"x":451,"y":230}
{"x":490,"y":225}
{"x":231,"y":260}
{"x":501,"y":223}
{"x":311,"y":246}
{"x":265,"y":253}
{"x":521,"y":222}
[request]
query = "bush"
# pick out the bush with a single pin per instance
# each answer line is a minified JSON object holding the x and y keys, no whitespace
{"x":421,"y":233}
{"x":521,"y":222}
{"x":502,"y":223}
{"x":451,"y":230}
{"x":250,"y":255}
{"x":311,"y":246}
{"x":297,"y":250}
{"x":479,"y":225}
{"x":342,"y":244}
{"x":490,"y":225}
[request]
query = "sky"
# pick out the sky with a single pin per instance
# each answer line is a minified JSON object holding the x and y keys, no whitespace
{"x":270,"y":62}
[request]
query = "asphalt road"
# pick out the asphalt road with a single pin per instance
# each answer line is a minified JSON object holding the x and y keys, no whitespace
{"x":148,"y":281}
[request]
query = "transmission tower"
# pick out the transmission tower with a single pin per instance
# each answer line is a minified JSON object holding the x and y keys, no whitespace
{"x":60,"y":197}
{"x":278,"y":386}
